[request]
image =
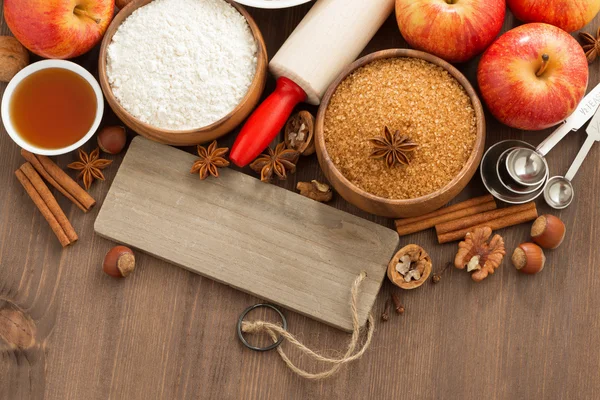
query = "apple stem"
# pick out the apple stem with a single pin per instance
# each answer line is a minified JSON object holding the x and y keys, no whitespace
{"x":82,"y":13}
{"x":545,"y":59}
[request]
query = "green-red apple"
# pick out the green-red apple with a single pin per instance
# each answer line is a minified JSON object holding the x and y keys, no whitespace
{"x":533,"y":76}
{"x":455,"y":30}
{"x":58,"y":28}
{"x":570,"y":15}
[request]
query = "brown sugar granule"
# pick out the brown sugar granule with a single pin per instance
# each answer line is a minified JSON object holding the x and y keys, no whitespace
{"x":420,"y":99}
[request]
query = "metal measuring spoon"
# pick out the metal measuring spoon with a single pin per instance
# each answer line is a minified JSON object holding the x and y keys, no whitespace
{"x":489,"y":175}
{"x":559,"y":190}
{"x":529,"y":167}
{"x":508,"y":182}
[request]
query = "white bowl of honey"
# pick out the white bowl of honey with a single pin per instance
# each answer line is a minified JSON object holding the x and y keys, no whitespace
{"x":52,"y":107}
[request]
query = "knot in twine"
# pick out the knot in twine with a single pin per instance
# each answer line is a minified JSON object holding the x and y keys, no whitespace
{"x":274,"y":331}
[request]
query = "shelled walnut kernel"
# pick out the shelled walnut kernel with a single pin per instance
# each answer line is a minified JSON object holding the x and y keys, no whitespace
{"x":315,"y":190}
{"x":479,"y":254}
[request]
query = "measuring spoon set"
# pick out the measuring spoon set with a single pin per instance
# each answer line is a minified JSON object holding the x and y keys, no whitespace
{"x":516,"y":172}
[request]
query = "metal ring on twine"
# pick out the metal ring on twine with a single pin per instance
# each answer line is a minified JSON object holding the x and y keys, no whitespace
{"x":241,"y":334}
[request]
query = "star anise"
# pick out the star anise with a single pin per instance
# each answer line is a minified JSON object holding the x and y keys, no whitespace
{"x":210,"y":160}
{"x":90,"y":167}
{"x":591,"y":45}
{"x":393,"y":147}
{"x":277,"y":162}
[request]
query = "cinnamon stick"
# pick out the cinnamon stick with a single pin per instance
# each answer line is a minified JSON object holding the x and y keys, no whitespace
{"x":48,"y":198}
{"x":446,"y":210}
{"x":433,"y":221}
{"x":41,"y":205}
{"x":495,"y":224}
{"x":60,"y":180}
{"x":477,"y":219}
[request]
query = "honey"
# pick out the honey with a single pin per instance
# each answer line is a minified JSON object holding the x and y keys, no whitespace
{"x":53,"y":108}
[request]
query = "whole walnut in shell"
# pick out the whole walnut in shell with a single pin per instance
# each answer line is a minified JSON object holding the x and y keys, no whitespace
{"x":13,"y":57}
{"x":478,"y":255}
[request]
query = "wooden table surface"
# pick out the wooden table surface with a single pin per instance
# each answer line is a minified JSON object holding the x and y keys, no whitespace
{"x":166,"y":333}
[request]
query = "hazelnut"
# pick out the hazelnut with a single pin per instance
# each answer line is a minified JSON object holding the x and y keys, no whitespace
{"x":119,"y":262}
{"x":13,"y":57}
{"x":112,"y":139}
{"x":548,"y":231}
{"x":529,"y":258}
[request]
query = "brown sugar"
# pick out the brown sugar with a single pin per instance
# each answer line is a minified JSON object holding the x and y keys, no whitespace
{"x":414,"y":96}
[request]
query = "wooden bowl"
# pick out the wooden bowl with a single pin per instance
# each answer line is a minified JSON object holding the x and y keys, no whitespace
{"x":390,"y":207}
{"x":194,"y":136}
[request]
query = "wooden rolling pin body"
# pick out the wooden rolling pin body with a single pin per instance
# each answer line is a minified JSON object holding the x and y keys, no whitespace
{"x":329,"y":38}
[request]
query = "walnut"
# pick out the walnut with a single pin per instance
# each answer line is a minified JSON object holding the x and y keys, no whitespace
{"x":299,"y":133}
{"x":476,"y":254}
{"x":315,"y":190}
{"x":13,"y":57}
{"x":410,"y":267}
{"x":403,"y":265}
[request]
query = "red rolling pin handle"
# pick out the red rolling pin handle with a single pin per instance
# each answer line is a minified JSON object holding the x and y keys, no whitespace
{"x":266,"y":122}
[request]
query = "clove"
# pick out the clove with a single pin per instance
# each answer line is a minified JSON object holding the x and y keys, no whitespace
{"x":397,"y":305}
{"x":437,"y":277}
{"x":386,"y":312}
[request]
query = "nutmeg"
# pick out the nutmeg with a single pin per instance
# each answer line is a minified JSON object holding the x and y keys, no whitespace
{"x":112,"y":139}
{"x":119,"y":262}
{"x":548,"y":231}
{"x":13,"y":57}
{"x":529,"y":258}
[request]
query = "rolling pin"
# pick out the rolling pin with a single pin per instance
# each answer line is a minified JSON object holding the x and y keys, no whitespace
{"x":329,"y":38}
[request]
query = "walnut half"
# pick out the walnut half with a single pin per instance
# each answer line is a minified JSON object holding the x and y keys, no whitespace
{"x":299,"y":133}
{"x":410,"y":267}
{"x":315,"y":190}
{"x":478,"y":255}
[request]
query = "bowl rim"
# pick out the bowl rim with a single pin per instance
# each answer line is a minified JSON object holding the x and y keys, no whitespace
{"x":261,"y":65}
{"x":401,"y":53}
{"x":273,"y":4}
{"x":32,"y":69}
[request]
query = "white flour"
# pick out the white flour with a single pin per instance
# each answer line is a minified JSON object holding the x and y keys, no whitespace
{"x":182,"y":64}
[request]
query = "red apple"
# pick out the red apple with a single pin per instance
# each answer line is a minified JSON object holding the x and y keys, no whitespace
{"x":570,"y":15}
{"x":533,"y":76}
{"x":58,"y":28}
{"x":455,"y":30}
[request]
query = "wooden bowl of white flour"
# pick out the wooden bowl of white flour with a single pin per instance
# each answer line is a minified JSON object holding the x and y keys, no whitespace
{"x":183,"y":72}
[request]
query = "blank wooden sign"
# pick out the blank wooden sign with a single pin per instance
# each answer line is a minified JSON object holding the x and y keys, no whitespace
{"x":259,"y":238}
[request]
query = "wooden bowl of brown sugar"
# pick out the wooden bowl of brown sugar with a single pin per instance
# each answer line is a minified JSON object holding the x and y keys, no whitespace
{"x":419,"y":98}
{"x":185,"y":136}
